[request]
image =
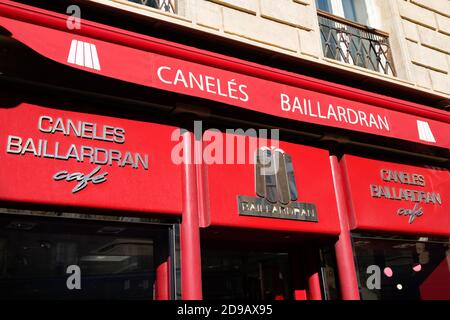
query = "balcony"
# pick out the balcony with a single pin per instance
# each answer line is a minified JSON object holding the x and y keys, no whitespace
{"x":355,"y":44}
{"x":163,"y":5}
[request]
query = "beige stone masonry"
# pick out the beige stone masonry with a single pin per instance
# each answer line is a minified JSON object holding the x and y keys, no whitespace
{"x":422,"y":76}
{"x":419,"y":32}
{"x":443,"y":24}
{"x":410,"y":29}
{"x":434,"y":40}
{"x":250,"y":6}
{"x":208,"y":14}
{"x":439,"y":6}
{"x":305,"y":2}
{"x":416,"y":14}
{"x":266,"y":31}
{"x":440,"y":81}
{"x":289,"y":12}
{"x":308,"y":43}
{"x":427,"y":57}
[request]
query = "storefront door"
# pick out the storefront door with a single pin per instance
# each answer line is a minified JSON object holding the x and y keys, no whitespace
{"x":268,"y":270}
{"x":246,"y":275}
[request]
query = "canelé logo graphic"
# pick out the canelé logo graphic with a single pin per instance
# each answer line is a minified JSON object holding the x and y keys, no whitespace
{"x":274,"y":176}
{"x":276,"y":188}
{"x":425,"y":133}
{"x":83,"y":54}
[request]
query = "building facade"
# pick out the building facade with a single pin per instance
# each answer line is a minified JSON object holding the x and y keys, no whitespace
{"x":417,"y":32}
{"x":196,"y":149}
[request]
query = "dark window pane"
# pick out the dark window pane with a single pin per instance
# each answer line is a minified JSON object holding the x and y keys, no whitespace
{"x":349,"y":9}
{"x":323,"y":5}
{"x":417,"y":270}
{"x":245,"y":275}
{"x":329,"y":276}
{"x":115,"y":260}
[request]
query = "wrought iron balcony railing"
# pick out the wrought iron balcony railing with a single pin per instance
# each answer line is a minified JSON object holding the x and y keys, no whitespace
{"x":163,"y":5}
{"x":356,"y":44}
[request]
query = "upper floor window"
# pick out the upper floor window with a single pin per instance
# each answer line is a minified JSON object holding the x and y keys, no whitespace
{"x":355,"y":10}
{"x":163,"y":5}
{"x":347,"y":36}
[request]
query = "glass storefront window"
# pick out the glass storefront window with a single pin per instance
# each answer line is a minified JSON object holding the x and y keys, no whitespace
{"x":246,"y":275}
{"x":276,"y":266}
{"x":395,"y":268}
{"x":328,"y":269}
{"x":54,"y":258}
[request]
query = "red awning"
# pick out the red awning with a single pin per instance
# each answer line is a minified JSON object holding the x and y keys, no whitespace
{"x":159,"y":64}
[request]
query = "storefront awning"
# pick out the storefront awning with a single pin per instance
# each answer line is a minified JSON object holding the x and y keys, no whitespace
{"x":159,"y":64}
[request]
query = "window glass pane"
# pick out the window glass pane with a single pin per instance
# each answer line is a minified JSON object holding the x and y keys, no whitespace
{"x":400,"y":269}
{"x":245,"y":275}
{"x":329,"y":276}
{"x":114,"y":260}
{"x":323,"y":5}
{"x":349,"y":9}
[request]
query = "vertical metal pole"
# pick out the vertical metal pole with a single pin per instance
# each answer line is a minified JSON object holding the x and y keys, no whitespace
{"x":191,"y":269}
{"x":344,"y":252}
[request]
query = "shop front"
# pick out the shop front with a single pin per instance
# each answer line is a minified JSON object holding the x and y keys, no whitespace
{"x":400,"y":229}
{"x":75,"y":221}
{"x":115,"y":183}
{"x":92,"y":204}
{"x":52,"y":255}
{"x":272,"y":218}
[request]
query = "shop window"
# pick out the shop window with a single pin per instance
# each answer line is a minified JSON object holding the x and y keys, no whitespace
{"x":163,"y":5}
{"x":347,"y":35}
{"x":77,"y":258}
{"x":329,"y":277}
{"x":396,"y":268}
{"x":246,"y":275}
{"x":354,"y":10}
{"x":233,"y":268}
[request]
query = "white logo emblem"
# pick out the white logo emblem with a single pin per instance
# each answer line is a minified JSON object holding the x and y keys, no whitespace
{"x":425,"y":133}
{"x":83,"y":54}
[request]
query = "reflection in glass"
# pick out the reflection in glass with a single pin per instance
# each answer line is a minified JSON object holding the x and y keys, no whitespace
{"x":245,"y":275}
{"x":413,"y":270}
{"x":116,"y":261}
{"x":324,"y":5}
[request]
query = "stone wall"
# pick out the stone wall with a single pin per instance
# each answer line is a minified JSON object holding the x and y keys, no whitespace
{"x":419,"y":32}
{"x":426,"y":25}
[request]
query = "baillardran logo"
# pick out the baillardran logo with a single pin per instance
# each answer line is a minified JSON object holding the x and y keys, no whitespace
{"x":276,"y":189}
